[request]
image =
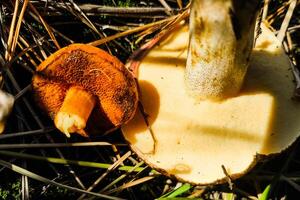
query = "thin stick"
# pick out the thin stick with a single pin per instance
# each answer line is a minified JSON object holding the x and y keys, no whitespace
{"x":291,"y":182}
{"x":23,"y":40}
{"x":63,"y":36}
{"x":121,"y":177}
{"x":278,"y":12}
{"x":3,"y":36}
{"x":265,"y":9}
{"x":39,"y":44}
{"x":179,"y":2}
{"x":18,"y":27}
{"x":166,"y":6}
{"x":56,"y":145}
{"x":11,"y":32}
{"x":25,"y":133}
{"x":119,"y":10}
{"x":229,"y":179}
{"x":100,"y":10}
{"x":293,"y":28}
{"x":288,"y":48}
{"x":71,"y":171}
{"x":130,"y":184}
{"x":47,"y":27}
{"x":22,"y":92}
{"x":24,"y":51}
{"x":271,"y":18}
{"x":86,"y":20}
{"x":112,"y":167}
{"x":128,"y":32}
{"x":25,"y":185}
{"x":286,"y":20}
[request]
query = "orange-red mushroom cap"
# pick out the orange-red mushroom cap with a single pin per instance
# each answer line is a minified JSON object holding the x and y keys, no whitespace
{"x":98,"y":73}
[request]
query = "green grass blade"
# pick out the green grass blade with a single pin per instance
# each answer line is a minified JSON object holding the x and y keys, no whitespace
{"x":65,"y":161}
{"x":182,"y":189}
{"x":266,"y":193}
{"x":228,"y":196}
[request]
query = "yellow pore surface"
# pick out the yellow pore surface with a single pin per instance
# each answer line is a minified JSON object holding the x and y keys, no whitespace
{"x":192,"y":140}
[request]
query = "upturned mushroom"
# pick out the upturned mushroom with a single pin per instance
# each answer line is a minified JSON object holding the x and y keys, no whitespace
{"x":196,"y":124}
{"x":85,"y":90}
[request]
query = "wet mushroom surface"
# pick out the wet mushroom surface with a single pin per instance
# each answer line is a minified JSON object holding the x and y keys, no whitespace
{"x":85,"y":90}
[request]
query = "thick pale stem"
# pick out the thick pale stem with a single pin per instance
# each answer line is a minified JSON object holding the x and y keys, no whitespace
{"x":221,"y":41}
{"x":75,"y":111}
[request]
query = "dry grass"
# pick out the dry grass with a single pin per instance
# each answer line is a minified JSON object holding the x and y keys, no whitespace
{"x":40,"y":163}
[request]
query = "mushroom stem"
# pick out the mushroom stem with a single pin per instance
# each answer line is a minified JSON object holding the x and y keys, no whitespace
{"x":75,"y":111}
{"x":221,"y":41}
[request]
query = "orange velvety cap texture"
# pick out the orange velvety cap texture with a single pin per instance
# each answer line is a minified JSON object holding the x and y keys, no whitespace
{"x":95,"y":71}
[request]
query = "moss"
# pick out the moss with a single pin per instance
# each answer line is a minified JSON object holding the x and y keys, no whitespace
{"x":11,"y":190}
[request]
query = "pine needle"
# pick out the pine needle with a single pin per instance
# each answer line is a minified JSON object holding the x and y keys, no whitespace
{"x":121,"y":177}
{"x":179,"y":2}
{"x":286,"y":20}
{"x":265,"y":9}
{"x":179,"y":191}
{"x":11,"y":32}
{"x":85,"y":19}
{"x":17,"y":30}
{"x":112,"y":167}
{"x":131,"y":184}
{"x":292,"y":183}
{"x":131,"y":31}
{"x":166,"y":6}
{"x":56,"y":145}
{"x":25,"y":133}
{"x":71,"y":162}
{"x":47,"y":27}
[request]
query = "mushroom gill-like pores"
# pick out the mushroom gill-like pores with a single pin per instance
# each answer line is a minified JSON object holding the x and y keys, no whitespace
{"x":85,"y":90}
{"x":194,"y":140}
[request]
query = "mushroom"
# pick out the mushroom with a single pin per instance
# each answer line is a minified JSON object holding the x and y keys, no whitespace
{"x":6,"y":105}
{"x":205,"y":141}
{"x":85,"y":90}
